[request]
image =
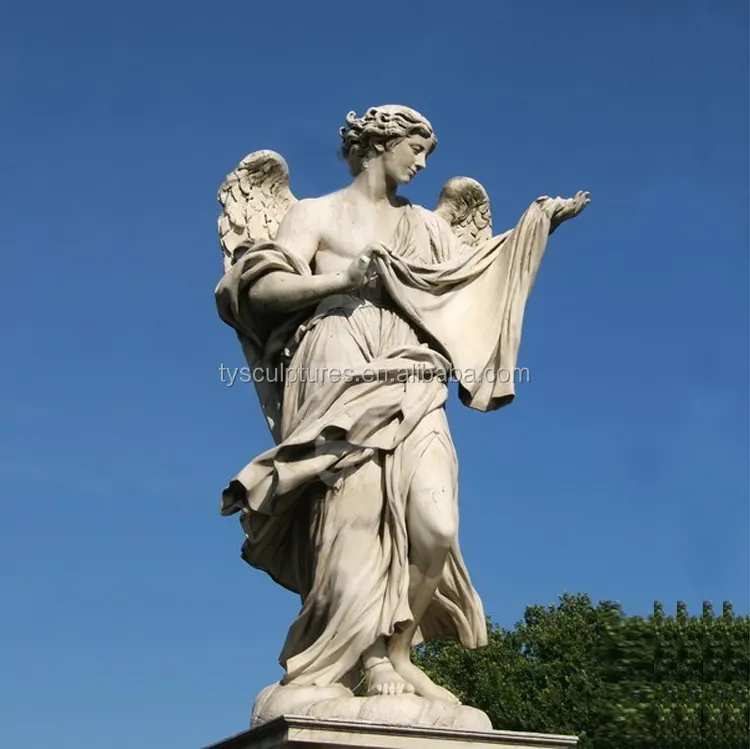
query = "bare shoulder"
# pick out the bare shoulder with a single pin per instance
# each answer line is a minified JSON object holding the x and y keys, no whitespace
{"x":312,"y":213}
{"x":302,"y":214}
{"x":303,"y":227}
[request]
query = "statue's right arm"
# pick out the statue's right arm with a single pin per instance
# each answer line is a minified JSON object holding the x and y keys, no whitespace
{"x":279,"y":291}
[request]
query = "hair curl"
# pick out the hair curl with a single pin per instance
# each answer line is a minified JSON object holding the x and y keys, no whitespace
{"x":378,"y":129}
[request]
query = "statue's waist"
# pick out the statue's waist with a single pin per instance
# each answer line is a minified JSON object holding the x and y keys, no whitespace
{"x":372,"y":294}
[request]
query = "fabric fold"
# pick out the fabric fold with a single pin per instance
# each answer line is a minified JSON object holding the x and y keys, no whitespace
{"x":324,"y":510}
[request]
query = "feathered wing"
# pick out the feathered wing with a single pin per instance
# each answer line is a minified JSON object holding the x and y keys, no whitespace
{"x":464,"y":204}
{"x":254,"y":199}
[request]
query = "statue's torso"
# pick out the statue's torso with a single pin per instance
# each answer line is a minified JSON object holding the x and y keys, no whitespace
{"x":346,"y":226}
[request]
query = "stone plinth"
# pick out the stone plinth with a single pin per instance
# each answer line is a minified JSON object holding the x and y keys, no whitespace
{"x":304,"y":732}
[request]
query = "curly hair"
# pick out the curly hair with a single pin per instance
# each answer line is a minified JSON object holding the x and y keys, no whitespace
{"x":378,"y":129}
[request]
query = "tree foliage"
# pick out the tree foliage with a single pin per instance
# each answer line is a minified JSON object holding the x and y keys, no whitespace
{"x":616,"y":681}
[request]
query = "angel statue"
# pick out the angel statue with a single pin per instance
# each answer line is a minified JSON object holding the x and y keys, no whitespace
{"x":355,"y":311}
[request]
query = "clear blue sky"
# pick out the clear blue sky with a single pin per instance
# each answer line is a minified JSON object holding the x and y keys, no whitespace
{"x":128,"y":618}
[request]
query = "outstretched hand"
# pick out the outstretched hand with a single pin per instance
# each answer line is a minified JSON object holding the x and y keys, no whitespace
{"x":563,"y":209}
{"x":571,"y":207}
{"x":578,"y":202}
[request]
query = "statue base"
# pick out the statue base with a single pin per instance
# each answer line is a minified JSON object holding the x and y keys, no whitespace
{"x":336,"y":702}
{"x":305,"y":732}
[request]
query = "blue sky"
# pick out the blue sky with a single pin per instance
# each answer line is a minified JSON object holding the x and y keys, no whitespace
{"x":622,"y":468}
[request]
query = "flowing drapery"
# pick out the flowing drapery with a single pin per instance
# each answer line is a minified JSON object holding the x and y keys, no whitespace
{"x":324,"y":510}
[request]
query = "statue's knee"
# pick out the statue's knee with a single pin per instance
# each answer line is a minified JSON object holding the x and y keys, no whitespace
{"x":443,"y":532}
{"x":439,"y":518}
{"x":432,"y":514}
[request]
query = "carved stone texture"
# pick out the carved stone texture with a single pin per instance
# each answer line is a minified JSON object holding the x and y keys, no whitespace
{"x":355,"y":310}
{"x":310,"y":733}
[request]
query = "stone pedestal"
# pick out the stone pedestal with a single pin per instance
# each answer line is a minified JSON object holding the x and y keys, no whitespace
{"x":304,"y":732}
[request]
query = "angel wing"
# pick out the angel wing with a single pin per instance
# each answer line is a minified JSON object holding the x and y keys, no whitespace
{"x":464,"y":204}
{"x":254,"y":199}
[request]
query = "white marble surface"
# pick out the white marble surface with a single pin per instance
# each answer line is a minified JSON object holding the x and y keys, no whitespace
{"x":306,"y":733}
{"x":355,"y":506}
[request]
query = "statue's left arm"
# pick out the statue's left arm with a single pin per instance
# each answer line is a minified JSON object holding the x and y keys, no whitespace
{"x":473,"y":299}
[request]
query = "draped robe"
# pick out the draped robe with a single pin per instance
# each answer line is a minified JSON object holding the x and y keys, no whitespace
{"x":348,"y":444}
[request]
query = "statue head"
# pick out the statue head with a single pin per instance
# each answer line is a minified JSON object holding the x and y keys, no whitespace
{"x":400,"y":137}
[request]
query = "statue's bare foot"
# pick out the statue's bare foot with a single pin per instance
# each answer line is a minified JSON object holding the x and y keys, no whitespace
{"x":382,"y":678}
{"x":423,"y":684}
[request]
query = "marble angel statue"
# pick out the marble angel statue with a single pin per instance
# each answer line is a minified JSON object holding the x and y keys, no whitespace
{"x":354,"y":508}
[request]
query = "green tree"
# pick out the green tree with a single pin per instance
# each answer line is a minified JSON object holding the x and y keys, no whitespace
{"x":617,"y":681}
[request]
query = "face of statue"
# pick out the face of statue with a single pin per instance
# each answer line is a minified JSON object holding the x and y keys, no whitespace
{"x":403,"y":160}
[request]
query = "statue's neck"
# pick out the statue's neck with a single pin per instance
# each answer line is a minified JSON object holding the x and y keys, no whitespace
{"x":372,"y":184}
